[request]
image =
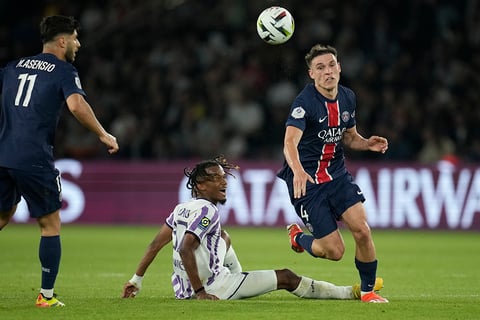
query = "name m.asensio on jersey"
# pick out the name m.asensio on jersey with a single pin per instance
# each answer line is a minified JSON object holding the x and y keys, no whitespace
{"x":36,"y":65}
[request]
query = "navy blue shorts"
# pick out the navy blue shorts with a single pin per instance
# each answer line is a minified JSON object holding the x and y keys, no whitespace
{"x":324,"y":204}
{"x":42,"y":191}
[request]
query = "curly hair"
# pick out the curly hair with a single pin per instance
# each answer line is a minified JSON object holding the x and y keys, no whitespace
{"x":199,"y":174}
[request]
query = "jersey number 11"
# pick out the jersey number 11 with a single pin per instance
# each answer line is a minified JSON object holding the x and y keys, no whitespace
{"x":25,"y":77}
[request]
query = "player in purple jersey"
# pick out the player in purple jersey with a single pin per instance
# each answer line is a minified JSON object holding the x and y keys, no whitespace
{"x":34,"y":89}
{"x":205,"y":265}
{"x":321,"y":122}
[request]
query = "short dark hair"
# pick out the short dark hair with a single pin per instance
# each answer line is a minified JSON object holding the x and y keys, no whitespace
{"x":318,"y":50}
{"x":52,"y":26}
{"x":199,"y":174}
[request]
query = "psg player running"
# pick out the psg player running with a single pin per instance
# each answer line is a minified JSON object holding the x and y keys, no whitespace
{"x":34,"y":89}
{"x":320,"y":123}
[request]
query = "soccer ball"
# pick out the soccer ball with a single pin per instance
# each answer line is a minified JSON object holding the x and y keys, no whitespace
{"x":275,"y":25}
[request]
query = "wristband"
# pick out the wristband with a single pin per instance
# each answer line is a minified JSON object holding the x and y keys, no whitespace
{"x":136,"y":280}
{"x":202,"y":288}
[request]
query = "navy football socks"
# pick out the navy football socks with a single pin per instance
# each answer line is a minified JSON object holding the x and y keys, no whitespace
{"x":306,"y":242}
{"x":368,"y":273}
{"x":49,"y":253}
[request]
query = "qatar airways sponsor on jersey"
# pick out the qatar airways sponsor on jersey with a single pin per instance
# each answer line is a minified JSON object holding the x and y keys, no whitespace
{"x":331,"y":135}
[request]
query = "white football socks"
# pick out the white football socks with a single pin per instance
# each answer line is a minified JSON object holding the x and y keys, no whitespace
{"x":313,"y":289}
{"x":47,"y":293}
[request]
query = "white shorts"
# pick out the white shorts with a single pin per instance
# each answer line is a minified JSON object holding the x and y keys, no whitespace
{"x":232,"y":286}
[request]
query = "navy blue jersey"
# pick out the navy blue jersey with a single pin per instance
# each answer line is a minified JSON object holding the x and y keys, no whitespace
{"x":323,"y":122}
{"x":34,"y":90}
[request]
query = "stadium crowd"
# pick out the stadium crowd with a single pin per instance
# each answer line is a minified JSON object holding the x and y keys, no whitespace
{"x":184,"y":78}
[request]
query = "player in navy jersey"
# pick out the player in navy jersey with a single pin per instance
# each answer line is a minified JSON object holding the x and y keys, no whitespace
{"x":34,"y":89}
{"x":322,"y":191}
{"x":205,"y":265}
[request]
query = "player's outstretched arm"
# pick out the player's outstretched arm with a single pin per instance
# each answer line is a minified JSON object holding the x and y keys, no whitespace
{"x":355,"y":141}
{"x":83,"y":112}
{"x":134,"y":285}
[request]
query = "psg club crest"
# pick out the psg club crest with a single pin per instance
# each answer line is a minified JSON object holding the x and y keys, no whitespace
{"x":345,"y":116}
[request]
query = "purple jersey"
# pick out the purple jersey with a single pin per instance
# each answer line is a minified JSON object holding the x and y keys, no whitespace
{"x":323,"y":122}
{"x":201,"y":218}
{"x":33,"y":91}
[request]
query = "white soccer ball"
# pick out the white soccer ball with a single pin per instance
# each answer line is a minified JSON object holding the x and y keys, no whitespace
{"x":275,"y":25}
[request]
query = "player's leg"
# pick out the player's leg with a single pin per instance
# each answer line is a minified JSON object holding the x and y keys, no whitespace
{"x":260,"y":282}
{"x":231,"y":260}
{"x":253,"y":283}
{"x":326,"y":241}
{"x":42,"y":192}
{"x":49,"y":252}
{"x":305,"y":287}
{"x":329,"y":247}
{"x":365,"y":255}
{"x":355,"y":218}
{"x":50,"y":224}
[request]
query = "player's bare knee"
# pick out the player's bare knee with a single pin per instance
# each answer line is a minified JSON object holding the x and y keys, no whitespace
{"x":362,"y":236}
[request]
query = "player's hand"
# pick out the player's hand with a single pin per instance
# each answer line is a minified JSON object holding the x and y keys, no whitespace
{"x":300,"y":183}
{"x":205,"y":296}
{"x":130,"y":290}
{"x":378,"y":144}
{"x":111,"y":142}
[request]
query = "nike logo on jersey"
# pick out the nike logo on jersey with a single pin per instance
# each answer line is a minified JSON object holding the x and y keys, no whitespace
{"x":359,"y":192}
{"x":322,"y":119}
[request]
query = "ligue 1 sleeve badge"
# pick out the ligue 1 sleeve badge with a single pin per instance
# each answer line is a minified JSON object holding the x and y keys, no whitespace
{"x":298,"y":113}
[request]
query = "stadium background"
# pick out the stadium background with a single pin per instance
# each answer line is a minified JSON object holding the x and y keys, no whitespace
{"x":177,"y":80}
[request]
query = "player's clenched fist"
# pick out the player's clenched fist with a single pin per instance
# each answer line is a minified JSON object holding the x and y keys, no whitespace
{"x":129,"y":290}
{"x":132,"y":287}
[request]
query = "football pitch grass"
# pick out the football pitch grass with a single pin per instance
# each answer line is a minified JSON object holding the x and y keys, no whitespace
{"x":428,"y":275}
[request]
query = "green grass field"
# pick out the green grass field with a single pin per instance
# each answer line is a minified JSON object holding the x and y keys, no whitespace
{"x":428,"y":275}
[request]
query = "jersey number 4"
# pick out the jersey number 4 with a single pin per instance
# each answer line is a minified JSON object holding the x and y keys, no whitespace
{"x":303,"y":213}
{"x":21,"y":92}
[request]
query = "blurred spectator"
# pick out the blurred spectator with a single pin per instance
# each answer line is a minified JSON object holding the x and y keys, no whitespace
{"x":243,"y":118}
{"x":191,"y":78}
{"x":436,"y":146}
